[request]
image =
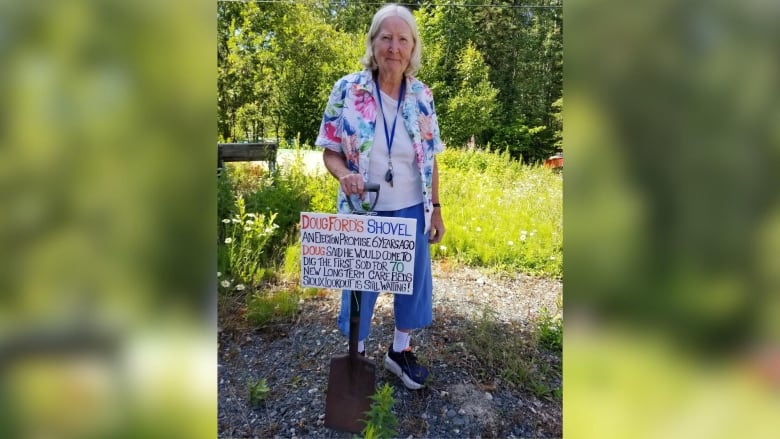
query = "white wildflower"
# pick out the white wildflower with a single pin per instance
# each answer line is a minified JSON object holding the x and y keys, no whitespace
{"x":251,"y":215}
{"x":219,"y":273}
{"x":225,"y":283}
{"x":228,"y":240}
{"x":240,"y":287}
{"x":226,"y":221}
{"x":443,"y":248}
{"x":235,"y":220}
{"x":247,"y":229}
{"x":249,"y":222}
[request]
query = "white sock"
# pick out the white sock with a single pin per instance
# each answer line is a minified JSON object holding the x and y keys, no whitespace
{"x":400,"y":340}
{"x":361,"y":346}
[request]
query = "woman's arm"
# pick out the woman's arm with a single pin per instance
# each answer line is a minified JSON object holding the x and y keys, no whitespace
{"x":336,"y":164}
{"x":437,"y":222}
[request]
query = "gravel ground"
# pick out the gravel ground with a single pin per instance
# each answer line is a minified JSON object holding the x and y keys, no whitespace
{"x":294,"y":359}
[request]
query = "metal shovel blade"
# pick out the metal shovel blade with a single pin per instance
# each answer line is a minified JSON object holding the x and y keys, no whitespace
{"x":351,"y":381}
{"x":350,"y":386}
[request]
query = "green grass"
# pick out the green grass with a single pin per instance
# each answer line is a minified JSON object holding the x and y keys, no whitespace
{"x":512,"y":353}
{"x":264,"y":307}
{"x":501,"y":214}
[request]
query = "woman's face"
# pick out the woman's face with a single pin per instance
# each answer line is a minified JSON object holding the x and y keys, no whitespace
{"x":393,"y":46}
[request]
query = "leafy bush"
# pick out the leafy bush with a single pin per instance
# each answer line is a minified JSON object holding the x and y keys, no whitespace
{"x":246,"y":237}
{"x":290,"y":192}
{"x":531,"y":144}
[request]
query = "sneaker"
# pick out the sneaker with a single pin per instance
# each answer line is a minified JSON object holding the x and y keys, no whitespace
{"x":404,"y":364}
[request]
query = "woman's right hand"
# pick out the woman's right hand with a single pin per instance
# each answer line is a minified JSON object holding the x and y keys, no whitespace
{"x":351,"y":184}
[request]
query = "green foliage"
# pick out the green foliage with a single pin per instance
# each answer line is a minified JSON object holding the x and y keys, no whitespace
{"x":504,"y":351}
{"x":530,"y":144}
{"x":293,"y":190}
{"x":246,"y":238}
{"x":258,"y":391}
{"x":557,"y":124}
{"x":470,"y":111}
{"x":549,"y":331}
{"x":226,"y":206}
{"x":487,"y":67}
{"x":381,"y":422}
{"x":500,"y":213}
{"x":292,"y":261}
{"x":263,"y":308}
{"x":276,"y":64}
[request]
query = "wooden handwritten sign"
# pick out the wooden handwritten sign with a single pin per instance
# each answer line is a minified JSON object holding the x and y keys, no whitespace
{"x":357,"y":252}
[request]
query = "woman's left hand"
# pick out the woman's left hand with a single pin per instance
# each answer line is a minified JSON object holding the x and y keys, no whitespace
{"x":437,"y":227}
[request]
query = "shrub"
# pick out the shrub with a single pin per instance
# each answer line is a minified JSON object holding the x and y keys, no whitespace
{"x":381,"y":421}
{"x":246,"y":236}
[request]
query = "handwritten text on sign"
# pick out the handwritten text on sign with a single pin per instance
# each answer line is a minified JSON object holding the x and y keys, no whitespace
{"x":356,"y":252}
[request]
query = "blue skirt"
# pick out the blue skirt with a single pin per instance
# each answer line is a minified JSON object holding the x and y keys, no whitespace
{"x":412,"y":311}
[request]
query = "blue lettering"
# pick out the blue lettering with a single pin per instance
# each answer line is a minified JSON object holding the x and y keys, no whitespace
{"x":388,"y":228}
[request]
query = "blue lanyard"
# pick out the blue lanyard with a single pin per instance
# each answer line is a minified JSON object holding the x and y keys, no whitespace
{"x":390,"y":136}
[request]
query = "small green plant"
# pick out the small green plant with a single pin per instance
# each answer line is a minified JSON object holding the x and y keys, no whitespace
{"x":540,"y":389}
{"x":381,"y":421}
{"x":549,"y":331}
{"x":246,"y":236}
{"x":258,"y":391}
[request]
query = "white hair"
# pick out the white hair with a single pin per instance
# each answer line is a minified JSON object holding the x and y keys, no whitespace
{"x":393,"y":10}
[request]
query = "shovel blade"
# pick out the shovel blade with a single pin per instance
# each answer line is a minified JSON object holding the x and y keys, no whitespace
{"x":351,"y":383}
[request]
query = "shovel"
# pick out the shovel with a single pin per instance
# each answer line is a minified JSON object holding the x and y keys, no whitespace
{"x":351,"y":382}
{"x":352,"y":378}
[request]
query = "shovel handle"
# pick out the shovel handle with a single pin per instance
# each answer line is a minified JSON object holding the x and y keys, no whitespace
{"x":354,"y":321}
{"x":368,"y":187}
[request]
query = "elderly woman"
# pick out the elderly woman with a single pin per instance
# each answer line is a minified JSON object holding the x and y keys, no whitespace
{"x":364,"y":142}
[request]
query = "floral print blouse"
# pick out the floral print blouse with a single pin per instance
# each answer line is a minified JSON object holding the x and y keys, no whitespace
{"x":349,"y":123}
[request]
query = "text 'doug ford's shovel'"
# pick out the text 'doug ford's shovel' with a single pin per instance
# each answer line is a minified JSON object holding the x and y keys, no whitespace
{"x":352,"y":378}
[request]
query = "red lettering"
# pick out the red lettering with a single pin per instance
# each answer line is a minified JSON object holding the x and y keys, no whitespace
{"x":313,"y":250}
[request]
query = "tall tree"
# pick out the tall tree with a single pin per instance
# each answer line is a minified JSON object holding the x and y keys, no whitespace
{"x":472,"y":106}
